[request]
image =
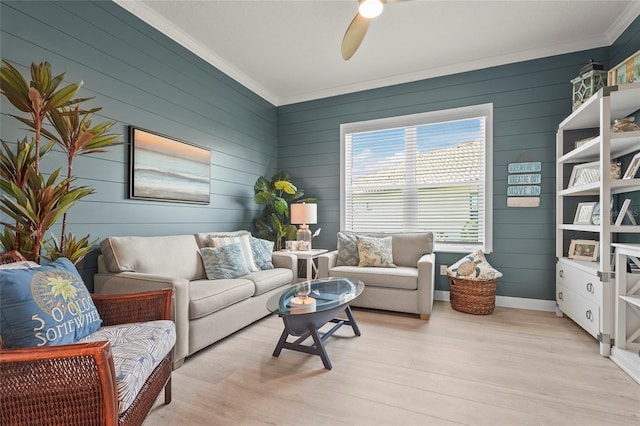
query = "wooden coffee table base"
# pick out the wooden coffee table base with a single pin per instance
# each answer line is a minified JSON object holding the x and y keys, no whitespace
{"x":307,"y":325}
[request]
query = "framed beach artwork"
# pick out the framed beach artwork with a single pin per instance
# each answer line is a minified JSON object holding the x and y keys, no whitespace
{"x":167,"y":169}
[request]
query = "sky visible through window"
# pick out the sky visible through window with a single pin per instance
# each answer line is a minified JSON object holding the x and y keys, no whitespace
{"x":380,"y":148}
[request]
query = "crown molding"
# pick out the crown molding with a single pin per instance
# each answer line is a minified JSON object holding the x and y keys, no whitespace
{"x":558,"y":49}
{"x":152,"y":18}
{"x":622,"y":23}
{"x":148,"y":15}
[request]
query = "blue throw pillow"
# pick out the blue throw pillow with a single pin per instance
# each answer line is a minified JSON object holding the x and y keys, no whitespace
{"x":224,"y":262}
{"x":262,"y":252}
{"x":47,"y":305}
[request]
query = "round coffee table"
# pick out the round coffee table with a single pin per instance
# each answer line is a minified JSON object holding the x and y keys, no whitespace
{"x":304,"y":319}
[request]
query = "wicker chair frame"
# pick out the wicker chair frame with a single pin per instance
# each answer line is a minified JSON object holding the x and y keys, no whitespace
{"x":76,"y":384}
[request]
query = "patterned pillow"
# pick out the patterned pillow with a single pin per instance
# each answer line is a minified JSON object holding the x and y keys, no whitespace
{"x":262,"y":251}
{"x":245,"y":247}
{"x":375,"y":252}
{"x":224,"y":262}
{"x":473,"y":267}
{"x":137,"y":350}
{"x":347,"y":250}
{"x":46,"y":305}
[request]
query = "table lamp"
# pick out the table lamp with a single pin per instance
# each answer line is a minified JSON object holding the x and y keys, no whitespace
{"x":304,"y":214}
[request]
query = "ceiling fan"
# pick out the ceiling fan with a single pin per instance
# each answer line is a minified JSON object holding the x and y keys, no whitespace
{"x":354,"y":35}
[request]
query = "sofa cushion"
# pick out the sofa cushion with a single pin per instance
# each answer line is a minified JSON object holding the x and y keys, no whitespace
{"x":137,"y":350}
{"x":347,"y":250}
{"x":224,"y":262}
{"x":262,"y":252}
{"x":408,"y":247}
{"x":401,"y":277}
{"x":267,"y":280}
{"x":245,"y":244}
{"x":207,"y":297}
{"x":45,"y":305}
{"x":172,"y":255}
{"x":375,"y":252}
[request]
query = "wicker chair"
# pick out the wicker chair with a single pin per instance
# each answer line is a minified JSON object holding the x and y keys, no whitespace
{"x":76,"y":384}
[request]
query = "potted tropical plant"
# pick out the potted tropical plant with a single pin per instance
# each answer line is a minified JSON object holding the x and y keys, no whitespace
{"x":276,"y":194}
{"x":33,"y":202}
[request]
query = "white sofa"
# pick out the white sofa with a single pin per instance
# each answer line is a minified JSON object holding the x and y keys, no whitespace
{"x":205,"y":310}
{"x":409,"y":287}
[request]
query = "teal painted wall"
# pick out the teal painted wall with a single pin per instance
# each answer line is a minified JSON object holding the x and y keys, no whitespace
{"x":141,"y":77}
{"x":530,"y":99}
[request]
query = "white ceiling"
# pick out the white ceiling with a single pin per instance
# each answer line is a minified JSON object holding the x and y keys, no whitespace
{"x":288,"y":51}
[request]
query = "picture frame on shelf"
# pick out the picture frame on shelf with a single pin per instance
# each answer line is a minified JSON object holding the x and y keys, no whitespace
{"x":627,"y":71}
{"x":584,"y":174}
{"x":584,"y":211}
{"x":584,"y":250}
{"x":631,"y":171}
{"x":581,"y":142}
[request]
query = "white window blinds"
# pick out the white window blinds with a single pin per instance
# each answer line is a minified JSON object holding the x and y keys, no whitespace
{"x":424,"y":172}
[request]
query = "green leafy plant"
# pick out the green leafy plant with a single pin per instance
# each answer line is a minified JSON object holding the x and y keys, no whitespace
{"x":276,"y":194}
{"x":33,"y":202}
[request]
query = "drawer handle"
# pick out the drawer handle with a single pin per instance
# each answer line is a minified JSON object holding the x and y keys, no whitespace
{"x":561,"y":273}
{"x":590,"y":287}
{"x":560,"y":295}
{"x":589,"y":315}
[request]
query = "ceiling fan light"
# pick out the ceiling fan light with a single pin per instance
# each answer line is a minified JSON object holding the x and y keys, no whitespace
{"x":370,"y":8}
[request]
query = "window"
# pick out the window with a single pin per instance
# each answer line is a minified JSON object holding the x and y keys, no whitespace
{"x":422,"y":172}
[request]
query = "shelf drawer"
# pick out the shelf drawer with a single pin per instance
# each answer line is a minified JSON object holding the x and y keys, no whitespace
{"x":583,"y":283}
{"x":580,"y":309}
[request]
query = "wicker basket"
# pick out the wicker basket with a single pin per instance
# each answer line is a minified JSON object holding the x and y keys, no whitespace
{"x":473,"y":297}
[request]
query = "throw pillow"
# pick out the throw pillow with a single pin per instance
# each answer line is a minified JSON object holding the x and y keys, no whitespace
{"x":224,"y":262}
{"x":46,"y":305}
{"x":262,"y":251}
{"x":245,"y":247}
{"x":474,"y":267}
{"x":375,"y":252}
{"x":347,"y":250}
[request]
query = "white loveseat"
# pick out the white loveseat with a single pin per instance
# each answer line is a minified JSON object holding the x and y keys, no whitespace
{"x":205,"y":310}
{"x":407,"y":287}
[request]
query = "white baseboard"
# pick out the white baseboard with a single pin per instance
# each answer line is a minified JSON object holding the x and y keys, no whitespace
{"x":511,"y":302}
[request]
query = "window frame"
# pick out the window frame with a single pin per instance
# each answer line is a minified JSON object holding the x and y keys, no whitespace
{"x":430,"y":117}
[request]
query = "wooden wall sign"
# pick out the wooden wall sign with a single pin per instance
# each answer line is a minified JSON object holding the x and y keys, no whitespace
{"x":523,"y":182}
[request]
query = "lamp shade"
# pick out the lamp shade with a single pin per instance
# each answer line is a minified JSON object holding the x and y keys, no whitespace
{"x":304,"y":214}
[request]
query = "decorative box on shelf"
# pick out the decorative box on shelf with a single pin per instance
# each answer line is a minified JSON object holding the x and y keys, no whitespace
{"x":627,"y":71}
{"x":592,"y":77}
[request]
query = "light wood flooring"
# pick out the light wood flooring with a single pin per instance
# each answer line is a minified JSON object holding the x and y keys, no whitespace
{"x":513,"y":367}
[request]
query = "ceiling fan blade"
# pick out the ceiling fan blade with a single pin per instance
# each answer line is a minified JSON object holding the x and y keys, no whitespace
{"x":354,"y":36}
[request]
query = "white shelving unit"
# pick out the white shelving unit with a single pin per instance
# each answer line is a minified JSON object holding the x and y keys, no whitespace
{"x":626,"y":350}
{"x":584,"y":290}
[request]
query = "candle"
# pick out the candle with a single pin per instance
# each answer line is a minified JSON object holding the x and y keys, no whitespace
{"x":303,"y":305}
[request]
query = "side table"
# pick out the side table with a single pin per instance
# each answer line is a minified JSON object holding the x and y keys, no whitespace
{"x":308,"y":256}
